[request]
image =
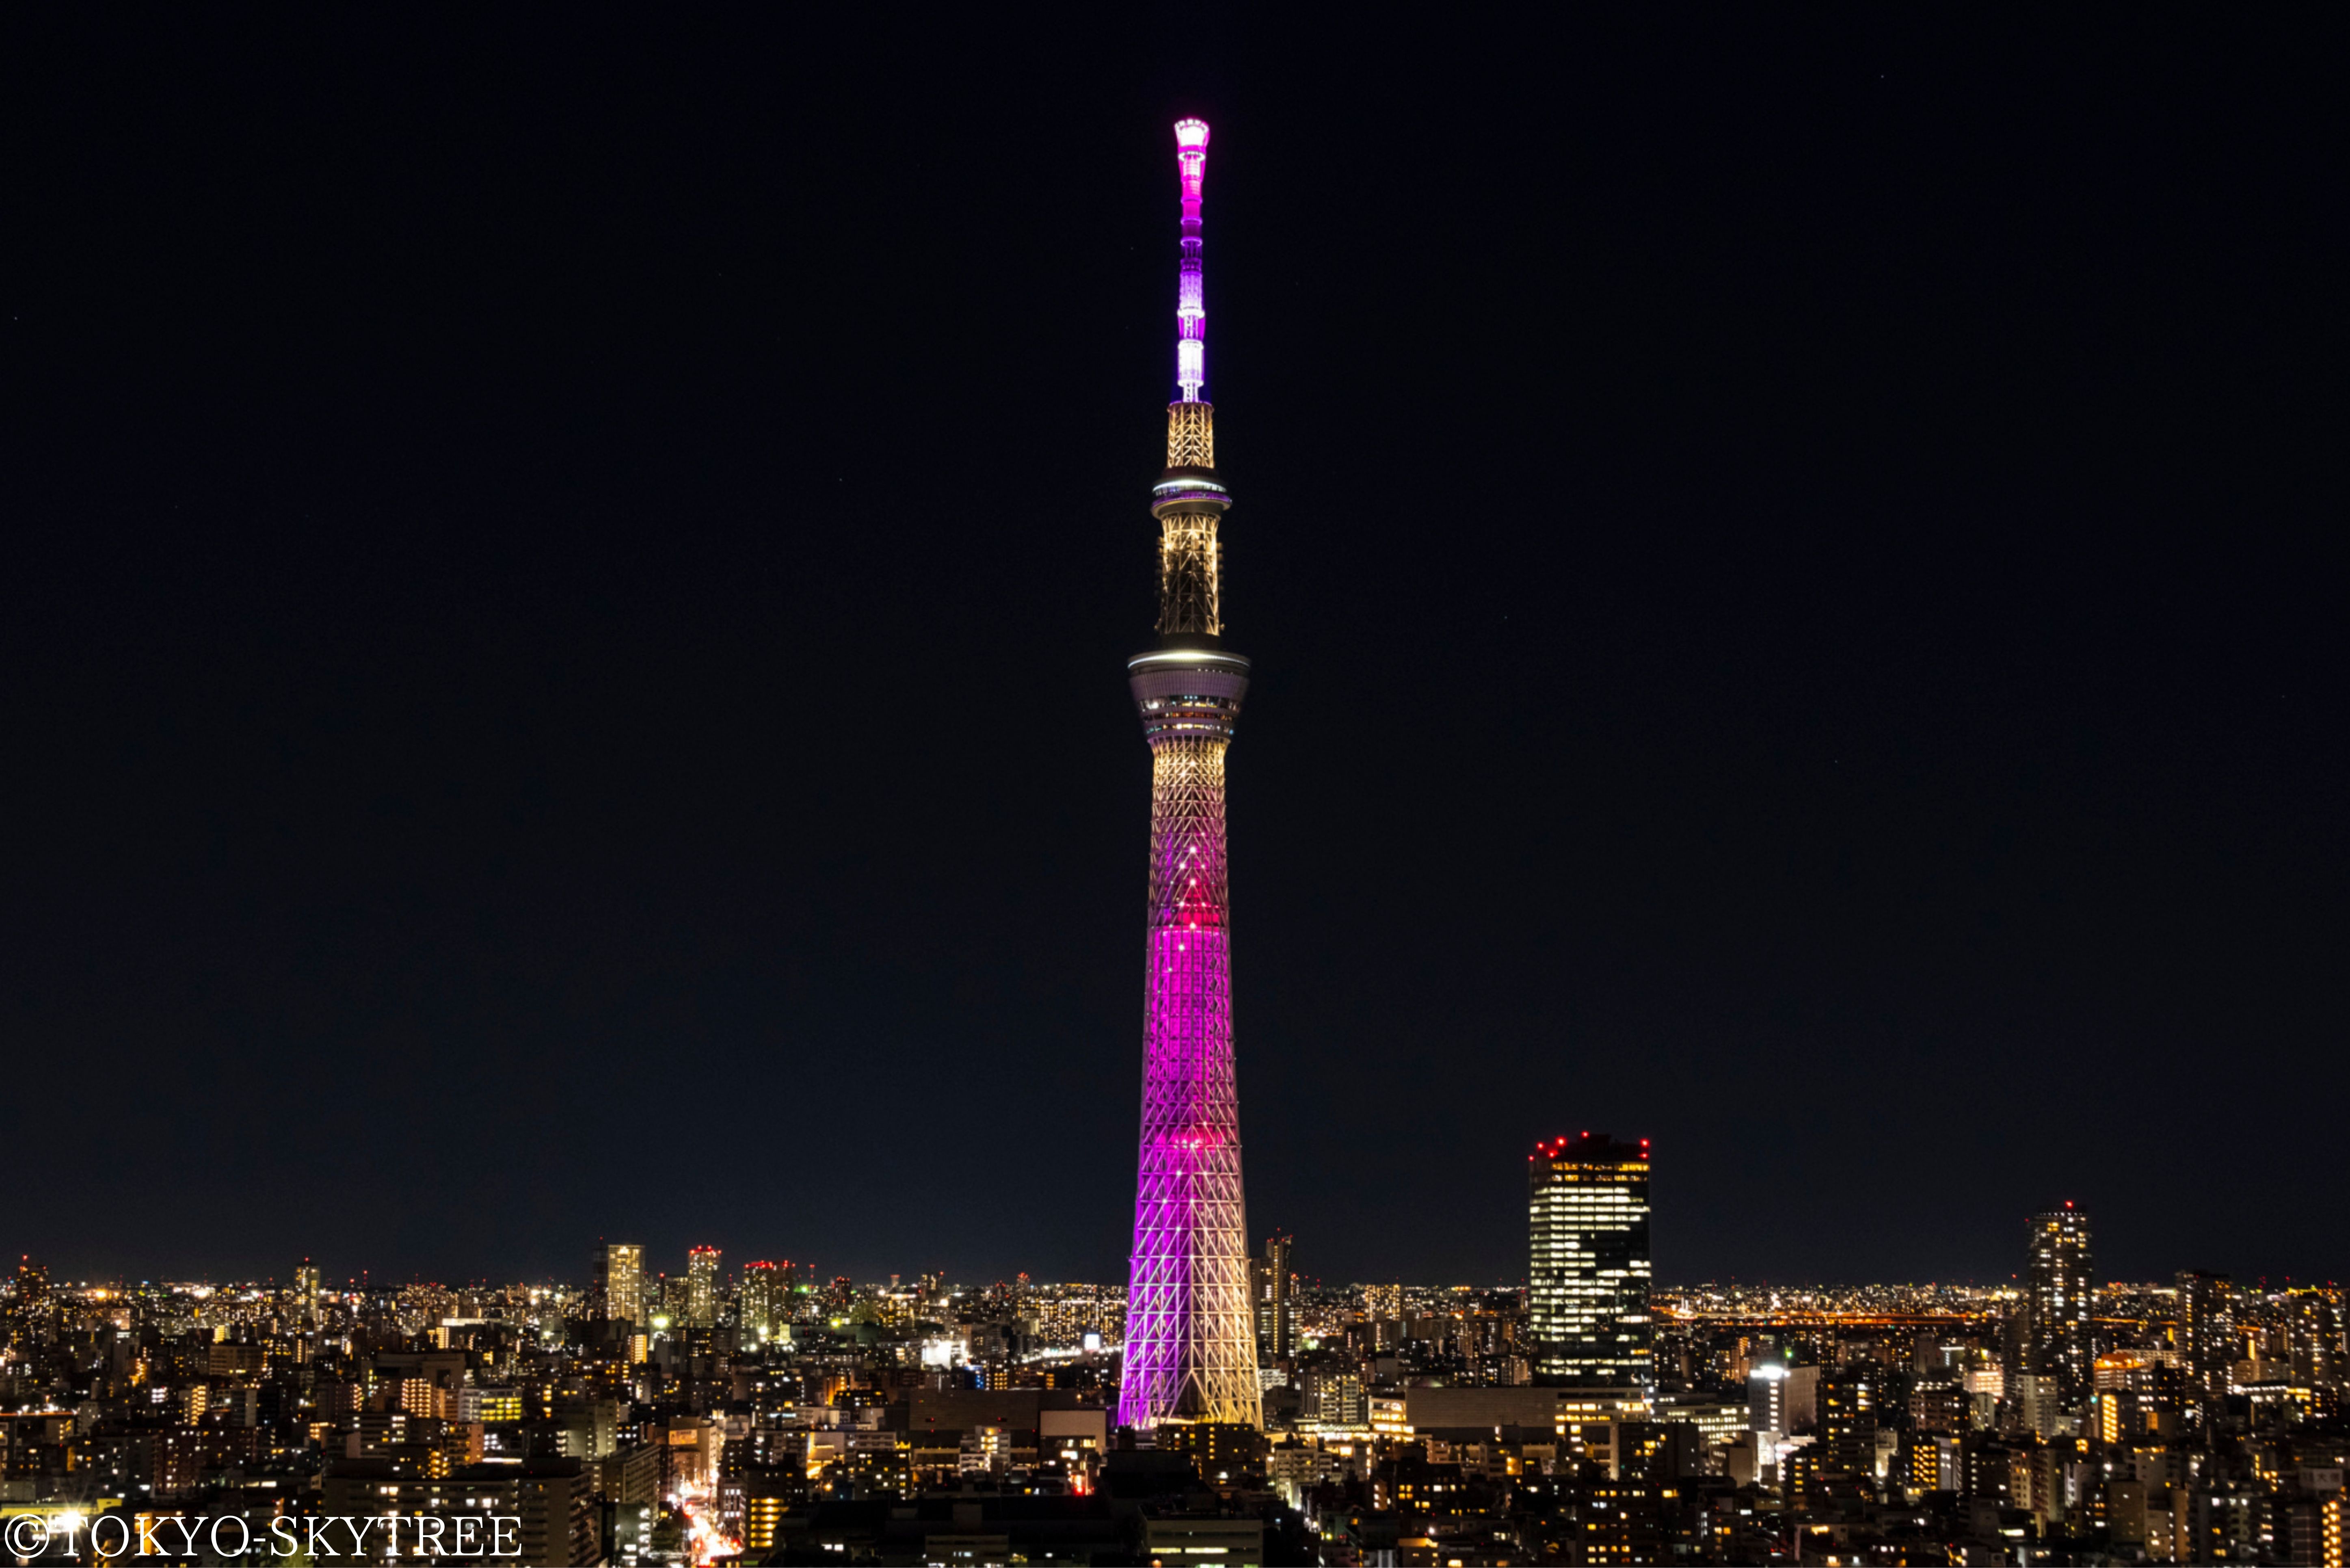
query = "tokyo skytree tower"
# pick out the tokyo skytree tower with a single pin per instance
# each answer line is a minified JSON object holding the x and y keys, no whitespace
{"x":1190,"y":1331}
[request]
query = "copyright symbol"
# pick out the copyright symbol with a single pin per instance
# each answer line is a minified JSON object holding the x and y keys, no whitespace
{"x":27,"y":1535}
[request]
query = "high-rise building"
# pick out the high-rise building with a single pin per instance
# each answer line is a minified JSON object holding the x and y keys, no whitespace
{"x":701,"y":1287}
{"x":764,"y":1310}
{"x":1333,"y":1396}
{"x":1587,"y":1284}
{"x":1766,"y":1400}
{"x":619,"y":1282}
{"x":32,"y":1284}
{"x":1276,"y":1291}
{"x":2207,"y":1331}
{"x":306,"y":1292}
{"x":2058,"y":1299}
{"x":1190,"y":1329}
{"x":1847,"y":1410}
{"x":2314,"y":1334}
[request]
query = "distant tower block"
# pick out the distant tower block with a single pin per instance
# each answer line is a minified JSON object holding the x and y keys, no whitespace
{"x":1191,"y":1326}
{"x":1587,"y":1280}
{"x":1276,"y":1302}
{"x":2059,"y":1302}
{"x":620,"y":1274}
{"x":701,"y":1287}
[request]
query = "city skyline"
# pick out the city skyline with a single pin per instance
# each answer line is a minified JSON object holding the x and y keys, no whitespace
{"x":586,"y":1282}
{"x":642,"y":1267}
{"x":1790,"y":566}
{"x":765,"y":1414}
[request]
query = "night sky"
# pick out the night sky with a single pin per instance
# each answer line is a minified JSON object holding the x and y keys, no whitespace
{"x":568,"y":587}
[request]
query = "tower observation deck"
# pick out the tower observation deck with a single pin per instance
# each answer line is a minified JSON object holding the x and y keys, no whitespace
{"x":1190,"y":1329}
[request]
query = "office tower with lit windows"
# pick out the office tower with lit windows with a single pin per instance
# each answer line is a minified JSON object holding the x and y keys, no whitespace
{"x":1333,"y":1394}
{"x":1766,"y":1400}
{"x":2207,"y":1331}
{"x":1849,"y":1397}
{"x":2058,"y":1300}
{"x":619,"y":1282}
{"x":1190,"y":1327}
{"x":306,"y":1292}
{"x":1276,"y":1291}
{"x":701,"y":1287}
{"x":1587,"y":1281}
{"x":32,"y":1284}
{"x":2313,"y":1334}
{"x":762,"y":1307}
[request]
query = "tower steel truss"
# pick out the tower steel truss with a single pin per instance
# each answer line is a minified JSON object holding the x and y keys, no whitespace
{"x":1190,"y":1331}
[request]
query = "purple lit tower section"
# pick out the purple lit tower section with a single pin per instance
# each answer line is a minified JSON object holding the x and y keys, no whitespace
{"x":1190,"y":1331}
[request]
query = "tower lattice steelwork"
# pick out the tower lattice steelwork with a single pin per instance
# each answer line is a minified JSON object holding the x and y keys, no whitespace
{"x":1190,"y":1331}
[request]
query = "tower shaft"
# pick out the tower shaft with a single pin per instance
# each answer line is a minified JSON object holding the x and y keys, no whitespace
{"x":1191,"y":569}
{"x":1191,"y":1333}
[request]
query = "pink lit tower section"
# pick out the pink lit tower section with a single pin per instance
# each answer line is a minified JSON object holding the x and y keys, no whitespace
{"x":1191,"y":1333}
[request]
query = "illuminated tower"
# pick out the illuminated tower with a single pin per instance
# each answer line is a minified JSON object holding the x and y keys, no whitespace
{"x":1276,"y":1301}
{"x":1588,"y":1287}
{"x":1190,"y":1330}
{"x":306,"y":1292}
{"x":2207,"y":1327}
{"x":760,"y":1309}
{"x":620,"y":1274}
{"x":701,"y":1286}
{"x":2057,"y":1305}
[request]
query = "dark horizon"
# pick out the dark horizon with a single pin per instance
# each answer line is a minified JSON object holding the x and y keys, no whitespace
{"x":573,"y":589}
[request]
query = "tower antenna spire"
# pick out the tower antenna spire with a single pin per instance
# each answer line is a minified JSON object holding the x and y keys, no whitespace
{"x":1191,"y":303}
{"x":1189,"y":497}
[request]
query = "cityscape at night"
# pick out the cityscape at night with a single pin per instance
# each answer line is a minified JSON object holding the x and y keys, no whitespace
{"x":614,"y":613}
{"x":757,"y":1411}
